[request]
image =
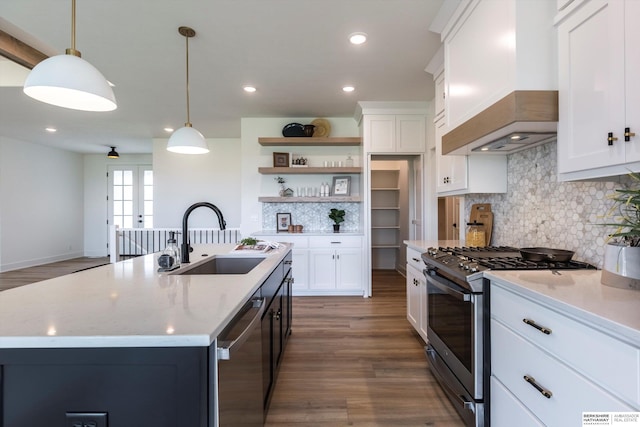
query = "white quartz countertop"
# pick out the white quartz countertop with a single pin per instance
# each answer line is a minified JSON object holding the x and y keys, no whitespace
{"x":130,"y":304}
{"x":579,"y":294}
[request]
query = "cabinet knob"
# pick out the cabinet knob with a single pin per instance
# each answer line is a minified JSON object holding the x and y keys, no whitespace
{"x":628,"y":134}
{"x":611,"y":138}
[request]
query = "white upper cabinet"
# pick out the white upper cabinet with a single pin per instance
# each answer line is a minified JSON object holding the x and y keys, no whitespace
{"x":492,"y":48}
{"x":405,"y":133}
{"x":599,"y":63}
{"x":393,"y":127}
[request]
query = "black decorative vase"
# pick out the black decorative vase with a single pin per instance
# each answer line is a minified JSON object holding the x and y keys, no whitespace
{"x":336,"y":228}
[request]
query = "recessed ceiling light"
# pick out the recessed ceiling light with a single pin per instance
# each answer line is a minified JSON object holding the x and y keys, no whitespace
{"x":168,"y":130}
{"x":249,"y":89}
{"x":357,"y":38}
{"x":348,"y":88}
{"x":52,"y":130}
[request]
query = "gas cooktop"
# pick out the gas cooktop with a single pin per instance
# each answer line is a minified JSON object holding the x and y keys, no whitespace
{"x":465,"y":264}
{"x":508,"y":258}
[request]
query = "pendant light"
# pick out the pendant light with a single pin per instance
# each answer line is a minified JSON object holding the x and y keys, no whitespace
{"x":113,"y":154}
{"x":69,"y":81}
{"x":187,"y":140}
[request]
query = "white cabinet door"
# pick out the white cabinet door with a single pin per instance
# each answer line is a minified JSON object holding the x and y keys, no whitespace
{"x":322,"y":265}
{"x":451,"y":170}
{"x":440,"y":96}
{"x":413,"y":298}
{"x":410,"y":133}
{"x":632,"y":63}
{"x":300,"y":273}
{"x":417,"y":299}
{"x":379,"y":133}
{"x":591,"y":97}
{"x":390,"y":133}
{"x":349,"y":269}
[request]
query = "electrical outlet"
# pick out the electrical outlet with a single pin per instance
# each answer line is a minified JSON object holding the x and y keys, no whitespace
{"x":87,"y":419}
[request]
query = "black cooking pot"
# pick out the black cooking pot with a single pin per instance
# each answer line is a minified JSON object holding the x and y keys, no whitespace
{"x":546,"y":254}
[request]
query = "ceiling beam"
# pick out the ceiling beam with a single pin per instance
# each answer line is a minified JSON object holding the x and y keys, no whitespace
{"x":19,"y":52}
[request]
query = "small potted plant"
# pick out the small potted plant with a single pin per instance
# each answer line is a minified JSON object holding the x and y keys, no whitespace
{"x":622,"y":253}
{"x":284,"y":192}
{"x":337,"y":215}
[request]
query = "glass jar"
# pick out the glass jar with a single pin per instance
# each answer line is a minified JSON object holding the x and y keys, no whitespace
{"x":170,"y":257}
{"x":476,"y":236}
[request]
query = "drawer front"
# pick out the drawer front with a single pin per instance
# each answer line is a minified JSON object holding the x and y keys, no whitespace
{"x":335,"y":242}
{"x":505,"y":408}
{"x":414,"y":259}
{"x":513,"y":358}
{"x":609,"y":362}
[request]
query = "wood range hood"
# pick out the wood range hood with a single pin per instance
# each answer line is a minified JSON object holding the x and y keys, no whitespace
{"x":520,"y":120}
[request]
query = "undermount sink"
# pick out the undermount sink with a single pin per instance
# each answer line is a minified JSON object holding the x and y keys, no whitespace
{"x":223,"y":265}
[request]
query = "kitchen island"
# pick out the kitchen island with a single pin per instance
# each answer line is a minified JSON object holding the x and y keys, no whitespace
{"x":123,"y":339}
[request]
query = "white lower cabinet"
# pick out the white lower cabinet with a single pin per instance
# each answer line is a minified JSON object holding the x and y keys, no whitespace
{"x":324,"y":265}
{"x":549,"y":368}
{"x":335,"y":265}
{"x":416,"y":293}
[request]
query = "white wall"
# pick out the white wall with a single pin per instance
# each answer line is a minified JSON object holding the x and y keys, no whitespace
{"x":182,"y":179}
{"x":254,"y":155}
{"x":95,"y":197}
{"x":41,"y":217}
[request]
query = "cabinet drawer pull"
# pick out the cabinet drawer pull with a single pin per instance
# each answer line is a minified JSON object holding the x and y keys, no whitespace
{"x":335,"y":243}
{"x":415,"y":259}
{"x":611,"y":138}
{"x":543,"y":391}
{"x":542,"y":329}
{"x":288,"y":262}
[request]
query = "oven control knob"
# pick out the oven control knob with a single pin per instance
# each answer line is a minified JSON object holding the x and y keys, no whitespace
{"x":474,"y":269}
{"x":466,"y":266}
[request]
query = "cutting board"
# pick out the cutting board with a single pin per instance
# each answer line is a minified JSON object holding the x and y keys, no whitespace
{"x":481,"y":213}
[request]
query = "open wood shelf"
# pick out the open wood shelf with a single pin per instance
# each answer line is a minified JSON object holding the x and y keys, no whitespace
{"x":308,"y":170}
{"x":311,"y":141}
{"x":334,"y":199}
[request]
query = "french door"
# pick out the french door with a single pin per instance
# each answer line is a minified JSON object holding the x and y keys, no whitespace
{"x":130,"y":196}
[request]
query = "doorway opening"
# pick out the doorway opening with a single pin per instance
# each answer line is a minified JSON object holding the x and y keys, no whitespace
{"x":449,"y":221}
{"x":395,"y":214}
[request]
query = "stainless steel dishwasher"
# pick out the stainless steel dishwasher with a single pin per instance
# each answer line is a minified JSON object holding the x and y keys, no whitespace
{"x":239,"y":353}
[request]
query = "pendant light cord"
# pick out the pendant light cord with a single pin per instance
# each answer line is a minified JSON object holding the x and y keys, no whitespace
{"x":73,"y":24}
{"x":187,"y":56}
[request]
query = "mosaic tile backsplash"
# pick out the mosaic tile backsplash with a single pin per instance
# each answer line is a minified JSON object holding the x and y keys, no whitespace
{"x":537,"y":210}
{"x":313,"y":216}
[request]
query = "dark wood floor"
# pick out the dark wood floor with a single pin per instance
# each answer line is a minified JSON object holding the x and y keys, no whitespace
{"x":350,"y":361}
{"x":353,"y":361}
{"x":24,"y":276}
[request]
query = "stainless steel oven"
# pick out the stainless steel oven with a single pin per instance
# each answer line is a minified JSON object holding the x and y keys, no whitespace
{"x":456,"y":336}
{"x":458,"y":320}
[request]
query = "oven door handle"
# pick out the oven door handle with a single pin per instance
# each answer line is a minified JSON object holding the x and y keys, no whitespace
{"x":433,"y":280}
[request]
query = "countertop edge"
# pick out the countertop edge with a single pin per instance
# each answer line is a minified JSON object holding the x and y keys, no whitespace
{"x":600,"y":320}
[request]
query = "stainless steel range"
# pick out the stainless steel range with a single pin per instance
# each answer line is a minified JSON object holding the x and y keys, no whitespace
{"x":458,"y":320}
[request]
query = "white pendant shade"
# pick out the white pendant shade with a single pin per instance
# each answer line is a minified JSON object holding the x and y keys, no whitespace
{"x":71,"y":82}
{"x":187,"y":140}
